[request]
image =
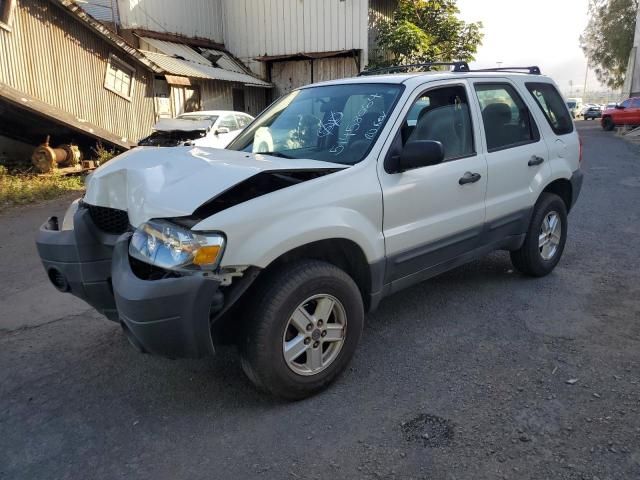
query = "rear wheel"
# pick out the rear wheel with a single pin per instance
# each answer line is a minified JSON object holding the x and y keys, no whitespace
{"x":545,"y":240}
{"x":303,"y":329}
{"x":607,"y":124}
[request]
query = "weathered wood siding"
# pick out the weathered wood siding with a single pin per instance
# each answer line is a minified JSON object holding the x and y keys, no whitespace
{"x":287,"y":76}
{"x":57,"y":59}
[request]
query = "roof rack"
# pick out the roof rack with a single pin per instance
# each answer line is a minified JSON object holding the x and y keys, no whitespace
{"x":533,"y":70}
{"x":457,"y":67}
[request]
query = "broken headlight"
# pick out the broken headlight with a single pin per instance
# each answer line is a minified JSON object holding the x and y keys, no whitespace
{"x":172,"y":247}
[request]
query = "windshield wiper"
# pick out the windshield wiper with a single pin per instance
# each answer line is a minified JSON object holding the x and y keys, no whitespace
{"x":275,"y":154}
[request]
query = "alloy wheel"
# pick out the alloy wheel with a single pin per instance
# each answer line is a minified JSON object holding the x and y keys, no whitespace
{"x":550,"y":235}
{"x":314,"y":334}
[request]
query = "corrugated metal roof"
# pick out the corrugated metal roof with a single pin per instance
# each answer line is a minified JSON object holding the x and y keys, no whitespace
{"x":186,"y":68}
{"x":102,"y":10}
{"x":176,"y":50}
{"x":226,"y":61}
{"x":173,"y":49}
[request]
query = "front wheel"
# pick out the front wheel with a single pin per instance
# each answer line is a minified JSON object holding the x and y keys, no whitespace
{"x":607,"y":124}
{"x":545,"y":240}
{"x":303,"y":329}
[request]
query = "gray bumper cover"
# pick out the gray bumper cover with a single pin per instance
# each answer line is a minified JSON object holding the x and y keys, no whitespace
{"x":168,"y":317}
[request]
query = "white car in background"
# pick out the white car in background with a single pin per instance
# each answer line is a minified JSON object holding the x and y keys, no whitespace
{"x":213,"y":128}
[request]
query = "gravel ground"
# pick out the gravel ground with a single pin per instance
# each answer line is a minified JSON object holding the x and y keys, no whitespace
{"x":480,"y":373}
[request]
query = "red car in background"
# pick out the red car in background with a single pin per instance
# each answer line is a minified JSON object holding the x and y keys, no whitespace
{"x":626,"y":113}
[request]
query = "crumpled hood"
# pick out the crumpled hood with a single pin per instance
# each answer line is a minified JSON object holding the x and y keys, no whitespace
{"x":160,"y":183}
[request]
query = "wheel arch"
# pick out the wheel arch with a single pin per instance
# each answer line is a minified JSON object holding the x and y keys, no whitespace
{"x":341,"y":252}
{"x":563,"y":188}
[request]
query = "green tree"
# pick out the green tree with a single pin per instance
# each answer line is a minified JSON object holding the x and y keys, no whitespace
{"x":608,"y":39}
{"x":427,"y":31}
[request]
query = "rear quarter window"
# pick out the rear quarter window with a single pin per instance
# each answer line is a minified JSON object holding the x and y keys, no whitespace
{"x":552,"y":106}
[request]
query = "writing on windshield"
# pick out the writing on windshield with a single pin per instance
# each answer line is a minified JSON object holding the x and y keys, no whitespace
{"x":335,"y":123}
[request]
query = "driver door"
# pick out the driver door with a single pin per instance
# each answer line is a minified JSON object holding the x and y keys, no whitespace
{"x":431,"y":214}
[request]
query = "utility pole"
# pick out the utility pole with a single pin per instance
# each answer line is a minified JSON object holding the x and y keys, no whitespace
{"x":586,"y":74}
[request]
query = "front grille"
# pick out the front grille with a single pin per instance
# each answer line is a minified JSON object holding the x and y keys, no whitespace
{"x":109,"y":220}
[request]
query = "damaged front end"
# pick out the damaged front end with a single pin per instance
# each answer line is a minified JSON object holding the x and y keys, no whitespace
{"x":162,"y":312}
{"x":171,"y":138}
{"x":175,"y":132}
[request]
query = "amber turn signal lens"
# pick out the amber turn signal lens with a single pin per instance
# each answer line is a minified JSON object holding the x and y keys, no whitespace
{"x":206,"y":255}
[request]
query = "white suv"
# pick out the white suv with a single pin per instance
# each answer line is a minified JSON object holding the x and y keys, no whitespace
{"x":374,"y":183}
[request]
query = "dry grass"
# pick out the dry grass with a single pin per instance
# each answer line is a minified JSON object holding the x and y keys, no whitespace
{"x":23,"y":188}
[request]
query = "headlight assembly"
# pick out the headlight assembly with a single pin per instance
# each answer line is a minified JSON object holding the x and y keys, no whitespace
{"x":172,"y":247}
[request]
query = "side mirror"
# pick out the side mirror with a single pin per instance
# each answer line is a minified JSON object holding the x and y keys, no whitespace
{"x":221,"y":130}
{"x":420,"y":153}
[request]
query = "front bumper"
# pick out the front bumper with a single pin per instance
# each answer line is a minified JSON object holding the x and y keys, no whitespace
{"x":170,"y":317}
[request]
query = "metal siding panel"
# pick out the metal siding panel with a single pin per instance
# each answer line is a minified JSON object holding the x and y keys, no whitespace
{"x":285,"y":27}
{"x":192,"y":18}
{"x":342,"y":31}
{"x":77,"y":53}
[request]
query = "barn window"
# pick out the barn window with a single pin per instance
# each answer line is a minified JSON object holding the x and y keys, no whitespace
{"x":6,"y":13}
{"x":119,"y":77}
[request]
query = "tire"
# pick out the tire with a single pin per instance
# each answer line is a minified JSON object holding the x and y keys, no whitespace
{"x":532,"y":258}
{"x":270,"y":327}
{"x":607,"y":124}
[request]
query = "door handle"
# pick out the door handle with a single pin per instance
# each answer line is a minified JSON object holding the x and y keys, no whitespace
{"x":469,"y":178}
{"x":535,"y":160}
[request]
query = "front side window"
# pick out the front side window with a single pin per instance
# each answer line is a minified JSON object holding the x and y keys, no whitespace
{"x":228,"y":121}
{"x":333,"y":123}
{"x":635,"y":103}
{"x":506,"y":118}
{"x":442,"y":115}
{"x":553,"y":107}
{"x":119,"y":77}
{"x":243,"y":120}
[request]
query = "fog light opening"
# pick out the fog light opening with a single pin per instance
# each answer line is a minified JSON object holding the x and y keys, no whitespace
{"x":58,"y":280}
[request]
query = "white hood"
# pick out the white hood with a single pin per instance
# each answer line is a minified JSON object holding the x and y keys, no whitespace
{"x":151,"y":182}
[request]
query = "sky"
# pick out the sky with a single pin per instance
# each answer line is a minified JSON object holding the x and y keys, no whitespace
{"x":534,"y":32}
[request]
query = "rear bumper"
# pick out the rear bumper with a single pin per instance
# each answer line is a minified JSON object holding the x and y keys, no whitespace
{"x":169,"y":317}
{"x":576,"y":185}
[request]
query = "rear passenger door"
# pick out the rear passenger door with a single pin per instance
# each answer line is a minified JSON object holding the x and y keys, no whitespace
{"x":517,"y":159}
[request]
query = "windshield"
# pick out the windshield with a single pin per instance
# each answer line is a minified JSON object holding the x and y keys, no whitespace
{"x":200,"y":118}
{"x":333,"y":123}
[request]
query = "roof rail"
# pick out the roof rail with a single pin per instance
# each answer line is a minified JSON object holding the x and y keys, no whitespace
{"x":457,"y":67}
{"x":533,"y":70}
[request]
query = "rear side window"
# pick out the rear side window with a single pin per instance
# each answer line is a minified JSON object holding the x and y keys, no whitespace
{"x":553,"y":107}
{"x":507,"y":120}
